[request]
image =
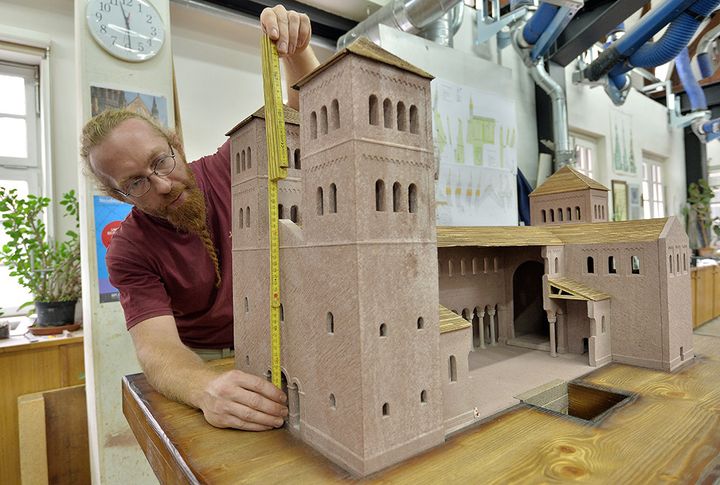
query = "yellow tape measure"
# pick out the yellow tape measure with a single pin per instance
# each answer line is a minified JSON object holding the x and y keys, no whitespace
{"x":277,"y":169}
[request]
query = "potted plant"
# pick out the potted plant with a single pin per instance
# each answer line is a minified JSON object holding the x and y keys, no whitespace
{"x":49,"y":269}
{"x":700,"y":221}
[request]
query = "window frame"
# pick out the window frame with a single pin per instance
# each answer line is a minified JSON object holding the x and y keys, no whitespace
{"x":585,"y":145}
{"x":652,"y":207}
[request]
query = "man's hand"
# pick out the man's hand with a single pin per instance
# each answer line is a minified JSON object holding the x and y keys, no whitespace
{"x":288,"y":29}
{"x":238,"y":400}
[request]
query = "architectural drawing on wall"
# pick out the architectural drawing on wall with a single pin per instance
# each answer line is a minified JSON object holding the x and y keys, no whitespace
{"x":623,"y":144}
{"x":634,"y":196}
{"x":102,"y":98}
{"x":475,"y":136}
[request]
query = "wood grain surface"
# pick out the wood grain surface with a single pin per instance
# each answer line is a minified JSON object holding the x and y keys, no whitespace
{"x":668,"y":432}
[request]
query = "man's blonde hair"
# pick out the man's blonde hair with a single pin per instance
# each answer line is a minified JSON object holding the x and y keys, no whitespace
{"x":100,"y":126}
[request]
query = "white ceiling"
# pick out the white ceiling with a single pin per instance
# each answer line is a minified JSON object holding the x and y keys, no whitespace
{"x":356,"y":10}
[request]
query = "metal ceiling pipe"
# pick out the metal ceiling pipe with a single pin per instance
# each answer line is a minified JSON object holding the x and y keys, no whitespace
{"x":443,"y":30}
{"x":410,"y":16}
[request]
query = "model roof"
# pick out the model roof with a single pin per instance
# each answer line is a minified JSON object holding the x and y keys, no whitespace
{"x":363,"y":47}
{"x":557,"y":235}
{"x":567,"y":179}
{"x":291,"y":116}
{"x":578,"y":290}
{"x":451,"y":321}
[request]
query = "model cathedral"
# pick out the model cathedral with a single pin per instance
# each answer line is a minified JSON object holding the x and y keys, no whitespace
{"x":382,"y":313}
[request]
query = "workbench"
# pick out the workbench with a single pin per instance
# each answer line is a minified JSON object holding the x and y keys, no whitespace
{"x":668,"y":432}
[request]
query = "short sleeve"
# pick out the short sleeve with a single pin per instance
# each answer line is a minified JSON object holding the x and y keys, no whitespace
{"x":142,"y":293}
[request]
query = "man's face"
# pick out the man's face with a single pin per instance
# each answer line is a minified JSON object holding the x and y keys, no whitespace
{"x":131,"y":151}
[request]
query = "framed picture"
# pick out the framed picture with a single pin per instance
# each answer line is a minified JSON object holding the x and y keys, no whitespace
{"x":620,"y":200}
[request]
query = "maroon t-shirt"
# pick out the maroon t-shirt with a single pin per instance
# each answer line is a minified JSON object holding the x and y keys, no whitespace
{"x":162,"y":271}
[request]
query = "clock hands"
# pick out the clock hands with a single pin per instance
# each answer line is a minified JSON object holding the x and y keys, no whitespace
{"x":127,"y":24}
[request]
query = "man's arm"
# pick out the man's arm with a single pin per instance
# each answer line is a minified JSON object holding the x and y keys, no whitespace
{"x":291,"y":32}
{"x":231,"y":399}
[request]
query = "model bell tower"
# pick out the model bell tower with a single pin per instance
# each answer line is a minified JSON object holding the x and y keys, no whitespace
{"x":368,"y":185}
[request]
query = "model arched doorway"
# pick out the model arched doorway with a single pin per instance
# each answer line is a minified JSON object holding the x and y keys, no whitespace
{"x":530,"y":322}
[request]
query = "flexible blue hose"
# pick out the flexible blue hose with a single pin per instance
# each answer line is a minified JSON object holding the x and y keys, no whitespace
{"x":677,"y":36}
{"x":698,"y":101}
{"x":705,"y":64}
{"x":539,"y":22}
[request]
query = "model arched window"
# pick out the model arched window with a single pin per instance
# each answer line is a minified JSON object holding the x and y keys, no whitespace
{"x":412,"y":198}
{"x":420,"y":323}
{"x":569,"y":214}
{"x":560,"y":215}
{"x":237,"y":162}
{"x":313,"y":125}
{"x":635,"y":264}
{"x":552,"y":215}
{"x":297,"y":158}
{"x":294,"y":216}
{"x":319,"y":201}
{"x":249,"y":158}
{"x":450,"y":267}
{"x":374,"y":115}
{"x":323,"y":120}
{"x":333,"y":403}
{"x":423,"y":396}
{"x":544,"y":215}
{"x":453,"y":369}
{"x":247,"y":216}
{"x":241,"y":218}
{"x":496,"y":264}
{"x":557,"y":265}
{"x":280,"y":212}
{"x":602,"y":324}
{"x":330,"y":319}
{"x":387,"y":113}
{"x":670,"y":263}
{"x":396,"y":196}
{"x":414,"y":122}
{"x":677,"y":263}
{"x":401,"y":116}
{"x":333,"y":199}
{"x":612,"y":268}
{"x":334,"y":114}
{"x":475,"y":266}
{"x":247,"y":305}
{"x":462,"y":267}
{"x":379,"y":195}
{"x":386,"y":409}
{"x":684,"y":262}
{"x":590,"y":264}
{"x":578,"y":215}
{"x":243,"y":160}
{"x":383,"y":330}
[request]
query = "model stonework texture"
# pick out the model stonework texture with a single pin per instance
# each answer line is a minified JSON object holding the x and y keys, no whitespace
{"x":376,"y":370}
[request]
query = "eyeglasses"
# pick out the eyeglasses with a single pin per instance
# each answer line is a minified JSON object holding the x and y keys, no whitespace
{"x":140,"y":186}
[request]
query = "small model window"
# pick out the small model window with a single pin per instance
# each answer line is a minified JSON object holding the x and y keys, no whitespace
{"x":383,"y":330}
{"x":496,"y":264}
{"x":330,"y":323}
{"x":247,"y":216}
{"x":373,"y":110}
{"x":333,"y":404}
{"x":412,"y":198}
{"x":684,"y":262}
{"x":237,"y":162}
{"x":414,"y":122}
{"x":386,"y":409}
{"x":241,"y":218}
{"x":387,"y":113}
{"x":544,"y":215}
{"x":294,"y":216}
{"x":420,"y":323}
{"x":401,"y":116}
{"x":677,"y":263}
{"x":323,"y":120}
{"x":333,"y":199}
{"x":397,"y":190}
{"x":578,"y":215}
{"x":450,"y":267}
{"x":280,"y":211}
{"x":602,"y":324}
{"x":475,"y":266}
{"x":423,"y":396}
{"x":249,"y":158}
{"x":334,"y":114}
{"x":297,"y":158}
{"x":247,"y":305}
{"x":612,"y":268}
{"x":465,"y":314}
{"x":453,"y":369}
{"x":670,"y":263}
{"x":379,"y":195}
{"x":243,"y":160}
{"x":552,"y":215}
{"x":319,"y":201}
{"x":635,"y":264}
{"x":557,"y":266}
{"x":560,"y":215}
{"x":462,"y":267}
{"x":313,"y":125}
{"x":486,"y":263}
{"x":569,"y":214}
{"x":282,"y":314}
{"x":590,"y":264}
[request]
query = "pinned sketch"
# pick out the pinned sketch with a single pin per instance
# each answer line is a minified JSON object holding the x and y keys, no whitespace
{"x":102,"y":98}
{"x":622,"y":143}
{"x":475,"y":136}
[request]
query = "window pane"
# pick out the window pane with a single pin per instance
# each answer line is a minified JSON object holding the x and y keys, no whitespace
{"x":12,"y":95}
{"x":13,"y":138}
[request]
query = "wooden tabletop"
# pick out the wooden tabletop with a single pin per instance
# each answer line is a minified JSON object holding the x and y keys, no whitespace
{"x":668,"y":432}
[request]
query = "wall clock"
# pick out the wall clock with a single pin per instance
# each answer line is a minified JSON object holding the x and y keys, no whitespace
{"x":131,"y":30}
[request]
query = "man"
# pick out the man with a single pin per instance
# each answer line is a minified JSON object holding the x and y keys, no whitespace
{"x":171,"y":258}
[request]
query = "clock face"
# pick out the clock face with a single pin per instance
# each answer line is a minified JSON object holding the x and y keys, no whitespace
{"x":131,"y":30}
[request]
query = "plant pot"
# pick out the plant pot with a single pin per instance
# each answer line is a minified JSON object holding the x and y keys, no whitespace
{"x":4,"y":330}
{"x":706,"y":252}
{"x":55,"y":313}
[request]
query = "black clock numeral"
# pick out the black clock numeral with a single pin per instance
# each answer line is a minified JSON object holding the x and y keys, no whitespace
{"x":141,"y":47}
{"x":103,"y":28}
{"x":128,"y":3}
{"x":114,"y":39}
{"x":149,"y":42}
{"x":153,"y":31}
{"x":114,"y":3}
{"x":139,"y":7}
{"x":149,"y":19}
{"x":98,"y":16}
{"x":105,"y":7}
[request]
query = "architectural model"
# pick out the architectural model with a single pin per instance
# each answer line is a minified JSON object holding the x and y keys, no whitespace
{"x":383,"y":317}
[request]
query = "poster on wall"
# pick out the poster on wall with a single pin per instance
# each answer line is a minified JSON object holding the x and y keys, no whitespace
{"x":475,"y":135}
{"x":622,"y":143}
{"x":634,"y":201}
{"x":102,"y":98}
{"x":620,"y":200}
{"x":109,"y":214}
